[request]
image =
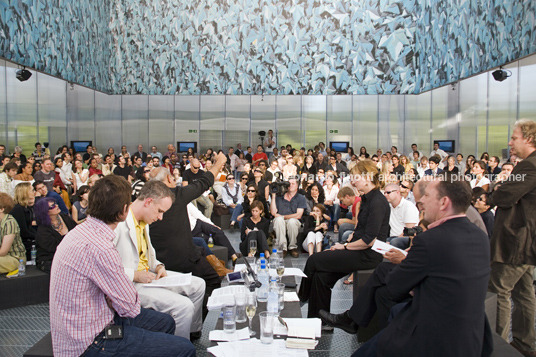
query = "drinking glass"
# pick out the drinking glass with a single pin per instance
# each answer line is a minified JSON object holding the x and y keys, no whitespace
{"x":251,"y":309}
{"x":252,"y":247}
{"x":280,"y":268}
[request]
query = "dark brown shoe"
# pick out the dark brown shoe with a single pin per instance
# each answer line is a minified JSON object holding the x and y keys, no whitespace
{"x":294,"y":253}
{"x":526,"y":353}
{"x":285,"y":253}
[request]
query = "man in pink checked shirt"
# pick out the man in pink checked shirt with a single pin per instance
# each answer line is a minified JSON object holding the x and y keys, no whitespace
{"x":94,"y":307}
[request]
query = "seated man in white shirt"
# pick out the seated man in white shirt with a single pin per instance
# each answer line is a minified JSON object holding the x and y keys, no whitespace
{"x":133,"y":242}
{"x":404,"y":214}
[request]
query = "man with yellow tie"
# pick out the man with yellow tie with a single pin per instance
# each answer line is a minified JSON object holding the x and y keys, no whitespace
{"x":133,"y":242}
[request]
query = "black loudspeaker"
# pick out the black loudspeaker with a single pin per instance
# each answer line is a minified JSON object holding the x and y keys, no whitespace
{"x":500,"y":75}
{"x":23,"y":75}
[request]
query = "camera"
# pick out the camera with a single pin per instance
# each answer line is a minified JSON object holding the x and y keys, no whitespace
{"x":413,"y":231}
{"x":279,"y":186}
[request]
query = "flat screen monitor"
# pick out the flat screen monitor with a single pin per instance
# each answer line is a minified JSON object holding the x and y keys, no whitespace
{"x":446,"y":145}
{"x":339,"y":146}
{"x":80,"y":146}
{"x":183,"y":146}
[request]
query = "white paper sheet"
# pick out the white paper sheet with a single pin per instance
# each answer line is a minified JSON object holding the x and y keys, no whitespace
{"x":222,"y":296}
{"x":291,"y":296}
{"x":290,"y":272}
{"x":251,"y":347}
{"x":303,"y":328}
{"x":382,"y":247}
{"x":173,"y":279}
{"x":220,"y":335}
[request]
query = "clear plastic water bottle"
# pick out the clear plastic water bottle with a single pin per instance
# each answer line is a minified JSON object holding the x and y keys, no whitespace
{"x":273,"y":298}
{"x":210,"y":242}
{"x":262,"y":260}
{"x":274,"y":259}
{"x":34,"y":254}
{"x":22,"y":267}
{"x":262,"y":292}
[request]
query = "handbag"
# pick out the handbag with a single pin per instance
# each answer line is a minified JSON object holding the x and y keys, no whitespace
{"x":220,"y":209}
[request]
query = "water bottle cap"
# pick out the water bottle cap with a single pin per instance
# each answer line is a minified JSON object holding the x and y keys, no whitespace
{"x":274,"y":250}
{"x":262,"y":255}
{"x":263,"y":266}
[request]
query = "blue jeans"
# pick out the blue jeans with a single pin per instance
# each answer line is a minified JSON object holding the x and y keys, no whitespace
{"x":333,"y":212}
{"x":148,"y":334}
{"x":200,"y":242}
{"x":399,"y":242}
{"x":235,"y":212}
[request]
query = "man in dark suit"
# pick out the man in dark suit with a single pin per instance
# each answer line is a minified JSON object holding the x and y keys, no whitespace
{"x":336,"y":166}
{"x":140,"y":153}
{"x":434,"y":169}
{"x":446,"y":271}
{"x":513,"y":249}
{"x":172,"y":236}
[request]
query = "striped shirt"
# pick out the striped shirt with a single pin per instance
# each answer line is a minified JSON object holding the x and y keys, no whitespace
{"x":8,"y":226}
{"x":86,"y":269}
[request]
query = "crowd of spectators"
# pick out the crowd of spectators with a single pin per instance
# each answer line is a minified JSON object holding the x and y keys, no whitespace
{"x":283,"y":197}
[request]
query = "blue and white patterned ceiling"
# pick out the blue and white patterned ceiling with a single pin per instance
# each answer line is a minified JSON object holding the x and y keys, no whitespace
{"x":266,"y":46}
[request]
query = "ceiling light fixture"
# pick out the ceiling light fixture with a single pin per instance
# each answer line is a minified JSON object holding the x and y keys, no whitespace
{"x":23,"y":74}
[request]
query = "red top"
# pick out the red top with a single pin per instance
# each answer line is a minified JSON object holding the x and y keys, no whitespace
{"x":259,"y":155}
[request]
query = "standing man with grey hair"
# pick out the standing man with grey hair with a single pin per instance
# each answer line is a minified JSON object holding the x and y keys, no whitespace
{"x":513,"y":249}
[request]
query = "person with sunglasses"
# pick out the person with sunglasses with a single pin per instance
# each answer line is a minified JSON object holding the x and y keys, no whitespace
{"x":52,"y":226}
{"x":232,"y":197}
{"x":252,"y":194}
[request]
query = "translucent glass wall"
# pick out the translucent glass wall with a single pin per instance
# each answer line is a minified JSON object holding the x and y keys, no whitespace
{"x":477,"y":112}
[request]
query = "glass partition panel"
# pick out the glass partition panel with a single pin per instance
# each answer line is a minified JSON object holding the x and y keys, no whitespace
{"x":3,"y":106}
{"x":289,"y":114}
{"x":391,"y":122}
{"x":80,"y":113}
{"x":135,"y":124}
{"x":161,"y":121}
{"x":339,"y":118}
{"x":502,"y":111}
{"x":52,"y":106}
{"x":314,"y":120}
{"x":21,"y":98}
{"x":187,"y":118}
{"x":527,"y":92}
{"x":262,"y":117}
{"x":365,"y":122}
{"x":473,"y":113}
{"x":212,"y":121}
{"x":107,"y":122}
{"x":237,"y":121}
{"x":417,"y":124}
{"x":440,"y":114}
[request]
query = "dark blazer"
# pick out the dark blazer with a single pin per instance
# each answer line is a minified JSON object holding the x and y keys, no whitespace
{"x":429,"y":172}
{"x":172,"y":236}
{"x":47,"y":240}
{"x":448,"y":270}
{"x":514,"y":231}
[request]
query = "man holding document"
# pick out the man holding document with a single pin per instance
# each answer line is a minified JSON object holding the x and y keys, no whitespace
{"x":182,"y":302}
{"x":446,"y":271}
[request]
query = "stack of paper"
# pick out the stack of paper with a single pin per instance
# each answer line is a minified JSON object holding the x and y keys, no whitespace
{"x":173,"y":279}
{"x":302,"y":328}
{"x":254,"y":347}
{"x":272,"y":272}
{"x":219,"y":335}
{"x":382,"y":247}
{"x":222,"y":297}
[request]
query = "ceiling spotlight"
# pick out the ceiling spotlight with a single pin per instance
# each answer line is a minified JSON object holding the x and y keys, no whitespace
{"x":500,"y":74}
{"x":23,"y":74}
